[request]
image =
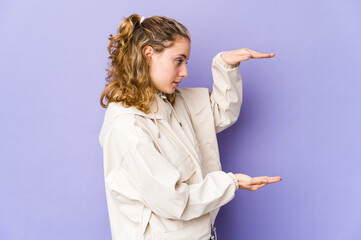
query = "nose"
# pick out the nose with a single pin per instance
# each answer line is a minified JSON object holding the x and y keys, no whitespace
{"x":184,"y":72}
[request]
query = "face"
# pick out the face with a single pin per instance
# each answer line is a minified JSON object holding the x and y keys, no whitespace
{"x":168,"y":68}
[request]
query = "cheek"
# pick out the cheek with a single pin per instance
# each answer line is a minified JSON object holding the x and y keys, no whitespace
{"x":164,"y":72}
{"x":158,"y":74}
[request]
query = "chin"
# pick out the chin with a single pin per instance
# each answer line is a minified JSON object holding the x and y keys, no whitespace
{"x":169,"y":91}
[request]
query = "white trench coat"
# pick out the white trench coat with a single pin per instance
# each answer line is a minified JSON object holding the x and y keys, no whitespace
{"x":163,"y":176}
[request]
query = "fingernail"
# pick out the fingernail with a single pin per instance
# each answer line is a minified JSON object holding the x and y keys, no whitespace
{"x":249,"y":55}
{"x":264,"y":180}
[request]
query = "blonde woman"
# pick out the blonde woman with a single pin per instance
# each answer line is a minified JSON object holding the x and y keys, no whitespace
{"x":162,"y":171}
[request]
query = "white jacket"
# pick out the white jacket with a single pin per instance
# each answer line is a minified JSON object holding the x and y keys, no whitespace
{"x":163,"y":177}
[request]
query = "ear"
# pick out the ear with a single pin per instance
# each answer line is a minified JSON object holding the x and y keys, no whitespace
{"x":148,"y":53}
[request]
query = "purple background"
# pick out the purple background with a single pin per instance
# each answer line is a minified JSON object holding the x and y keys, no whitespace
{"x":300,"y":119}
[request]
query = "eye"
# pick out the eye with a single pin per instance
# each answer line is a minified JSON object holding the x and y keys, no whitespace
{"x":179,"y":61}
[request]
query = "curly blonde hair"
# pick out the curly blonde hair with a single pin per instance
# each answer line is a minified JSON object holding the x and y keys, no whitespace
{"x":128,"y":79}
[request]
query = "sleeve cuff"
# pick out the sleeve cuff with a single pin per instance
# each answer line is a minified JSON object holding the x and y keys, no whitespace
{"x":234,"y":180}
{"x":219,"y":61}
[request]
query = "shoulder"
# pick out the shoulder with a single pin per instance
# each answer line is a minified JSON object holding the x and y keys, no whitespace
{"x":127,"y":121}
{"x":122,"y":125}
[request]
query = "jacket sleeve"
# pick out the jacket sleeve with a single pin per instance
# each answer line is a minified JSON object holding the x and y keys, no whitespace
{"x":157,"y":182}
{"x":226,"y":97}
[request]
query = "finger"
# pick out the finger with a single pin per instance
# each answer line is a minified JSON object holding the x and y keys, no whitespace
{"x":245,"y":57}
{"x":259,"y":180}
{"x":274,"y":179}
{"x":261,"y":55}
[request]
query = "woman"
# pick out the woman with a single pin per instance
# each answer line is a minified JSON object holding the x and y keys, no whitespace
{"x":163,"y":176}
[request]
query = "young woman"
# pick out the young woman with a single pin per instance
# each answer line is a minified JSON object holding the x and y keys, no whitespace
{"x":163,"y":175}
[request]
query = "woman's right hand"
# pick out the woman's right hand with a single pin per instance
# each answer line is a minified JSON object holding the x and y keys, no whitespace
{"x":254,"y":183}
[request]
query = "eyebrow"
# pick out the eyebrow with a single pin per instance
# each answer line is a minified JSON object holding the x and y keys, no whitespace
{"x":183,"y":56}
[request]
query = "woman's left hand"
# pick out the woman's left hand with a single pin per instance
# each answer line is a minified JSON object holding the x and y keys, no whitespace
{"x":235,"y":56}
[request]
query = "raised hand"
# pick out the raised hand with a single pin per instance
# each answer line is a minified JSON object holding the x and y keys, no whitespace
{"x":254,"y":183}
{"x":235,"y":56}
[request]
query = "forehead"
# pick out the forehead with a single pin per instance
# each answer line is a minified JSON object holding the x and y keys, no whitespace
{"x":180,"y":47}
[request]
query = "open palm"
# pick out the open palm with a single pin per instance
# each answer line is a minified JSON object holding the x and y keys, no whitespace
{"x":254,"y":183}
